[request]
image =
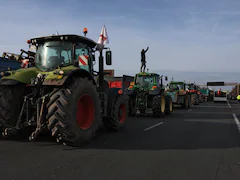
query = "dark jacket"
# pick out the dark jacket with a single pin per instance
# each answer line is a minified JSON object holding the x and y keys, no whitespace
{"x":143,"y":56}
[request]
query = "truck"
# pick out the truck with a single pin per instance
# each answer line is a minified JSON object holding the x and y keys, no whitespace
{"x":60,"y":94}
{"x":179,"y":94}
{"x":222,"y":97}
{"x":146,"y":93}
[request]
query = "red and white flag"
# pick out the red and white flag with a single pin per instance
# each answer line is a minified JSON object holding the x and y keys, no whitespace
{"x":103,"y":38}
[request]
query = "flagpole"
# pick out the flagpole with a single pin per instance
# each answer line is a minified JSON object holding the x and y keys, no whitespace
{"x":101,"y":72}
{"x":101,"y":65}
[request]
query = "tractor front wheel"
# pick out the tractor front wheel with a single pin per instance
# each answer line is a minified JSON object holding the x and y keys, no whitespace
{"x":74,"y":113}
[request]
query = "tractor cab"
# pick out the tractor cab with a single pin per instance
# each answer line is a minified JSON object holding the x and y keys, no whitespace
{"x":62,"y":51}
{"x":192,"y":88}
{"x":148,"y":81}
{"x":144,"y":80}
{"x":176,"y":86}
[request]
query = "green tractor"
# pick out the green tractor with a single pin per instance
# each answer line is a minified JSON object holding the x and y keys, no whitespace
{"x":194,"y":91}
{"x":60,"y":93}
{"x":147,"y":93}
{"x":179,"y":94}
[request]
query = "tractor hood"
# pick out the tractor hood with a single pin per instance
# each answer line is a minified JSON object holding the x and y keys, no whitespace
{"x":25,"y":75}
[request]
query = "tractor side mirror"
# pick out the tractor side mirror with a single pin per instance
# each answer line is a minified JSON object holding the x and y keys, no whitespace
{"x":108,"y":57}
{"x":166,"y":78}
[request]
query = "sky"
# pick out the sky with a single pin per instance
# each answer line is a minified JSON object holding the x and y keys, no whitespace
{"x":182,"y":35}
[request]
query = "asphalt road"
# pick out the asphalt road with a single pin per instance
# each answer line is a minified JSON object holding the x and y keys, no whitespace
{"x":201,"y":143}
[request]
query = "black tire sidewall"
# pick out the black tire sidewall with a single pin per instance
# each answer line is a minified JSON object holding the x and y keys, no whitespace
{"x":80,"y":87}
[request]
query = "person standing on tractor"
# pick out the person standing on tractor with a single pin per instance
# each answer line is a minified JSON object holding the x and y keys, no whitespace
{"x":143,"y":59}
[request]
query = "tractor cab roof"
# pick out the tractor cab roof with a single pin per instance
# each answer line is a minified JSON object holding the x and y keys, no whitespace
{"x":64,"y":37}
{"x":147,"y":74}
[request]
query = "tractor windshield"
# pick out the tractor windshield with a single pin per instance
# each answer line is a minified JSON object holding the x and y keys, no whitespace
{"x":192,"y":87}
{"x":53,"y":54}
{"x":145,"y":80}
{"x":176,"y":86}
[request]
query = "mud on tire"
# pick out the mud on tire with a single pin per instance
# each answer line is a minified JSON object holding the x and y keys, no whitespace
{"x":157,"y":106}
{"x":11,"y":100}
{"x":119,"y":114}
{"x":74,"y":113}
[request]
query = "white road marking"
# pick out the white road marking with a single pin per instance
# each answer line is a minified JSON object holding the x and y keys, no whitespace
{"x":222,"y":121}
{"x":203,"y":112}
{"x":237,"y":122}
{"x":228,"y":104}
{"x":153,"y":126}
{"x":189,"y":110}
{"x":202,"y":106}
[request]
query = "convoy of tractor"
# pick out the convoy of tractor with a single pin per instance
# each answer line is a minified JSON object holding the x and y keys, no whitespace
{"x":57,"y":90}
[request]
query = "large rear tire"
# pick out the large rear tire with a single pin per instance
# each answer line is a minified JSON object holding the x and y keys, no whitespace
{"x":119,"y":114}
{"x":194,"y":99}
{"x":74,"y":113}
{"x":159,"y":106}
{"x":11,"y":100}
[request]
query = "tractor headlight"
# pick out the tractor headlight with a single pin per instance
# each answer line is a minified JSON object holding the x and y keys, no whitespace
{"x":39,"y":75}
{"x":59,"y":72}
{"x":6,"y":73}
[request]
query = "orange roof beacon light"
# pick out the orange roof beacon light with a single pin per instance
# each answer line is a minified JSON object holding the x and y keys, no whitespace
{"x":85,"y":31}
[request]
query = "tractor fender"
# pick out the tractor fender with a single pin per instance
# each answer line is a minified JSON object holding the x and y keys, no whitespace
{"x":9,"y":82}
{"x":155,"y":92}
{"x":68,"y":77}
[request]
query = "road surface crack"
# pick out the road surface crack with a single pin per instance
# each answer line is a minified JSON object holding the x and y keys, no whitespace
{"x":218,"y":167}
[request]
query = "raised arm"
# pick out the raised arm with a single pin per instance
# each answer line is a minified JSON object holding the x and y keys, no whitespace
{"x":146,"y":49}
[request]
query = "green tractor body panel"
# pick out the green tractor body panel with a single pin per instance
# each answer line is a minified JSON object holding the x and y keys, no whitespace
{"x":204,"y":91}
{"x":25,"y":75}
{"x":173,"y":95}
{"x":176,"y":98}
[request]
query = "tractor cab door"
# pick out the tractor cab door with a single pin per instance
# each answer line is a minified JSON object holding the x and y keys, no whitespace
{"x":84,"y":58}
